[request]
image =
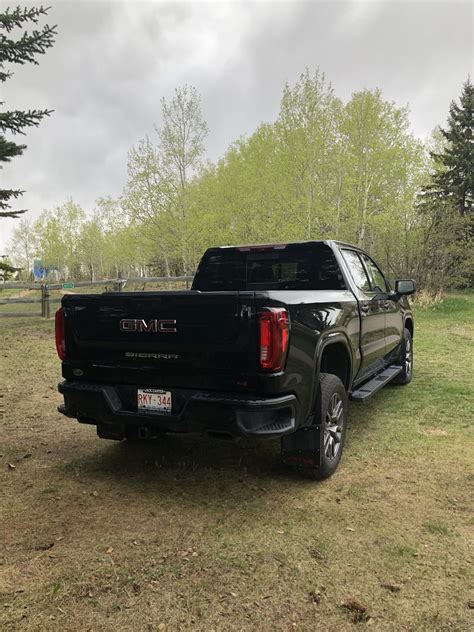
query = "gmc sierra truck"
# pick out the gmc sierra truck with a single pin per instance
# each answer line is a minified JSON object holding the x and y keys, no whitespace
{"x":271,"y":341}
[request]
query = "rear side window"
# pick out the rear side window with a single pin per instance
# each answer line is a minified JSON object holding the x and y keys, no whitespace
{"x":356,"y":269}
{"x":309,"y":266}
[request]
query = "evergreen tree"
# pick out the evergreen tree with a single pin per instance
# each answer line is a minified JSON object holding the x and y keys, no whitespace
{"x":454,"y":174}
{"x":20,"y":50}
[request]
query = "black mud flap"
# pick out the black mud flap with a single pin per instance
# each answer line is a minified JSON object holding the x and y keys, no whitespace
{"x":302,"y":448}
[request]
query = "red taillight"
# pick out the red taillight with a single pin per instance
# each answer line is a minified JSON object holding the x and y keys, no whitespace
{"x":274,"y":332}
{"x":59,"y":334}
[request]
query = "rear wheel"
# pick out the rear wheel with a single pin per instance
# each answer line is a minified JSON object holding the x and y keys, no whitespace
{"x":315,"y":451}
{"x":406,"y":375}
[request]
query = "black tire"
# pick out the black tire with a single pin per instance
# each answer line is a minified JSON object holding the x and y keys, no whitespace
{"x":329,"y":432}
{"x":406,"y":357}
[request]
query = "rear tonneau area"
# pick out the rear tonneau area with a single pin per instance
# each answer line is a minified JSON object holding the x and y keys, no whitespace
{"x":183,"y":338}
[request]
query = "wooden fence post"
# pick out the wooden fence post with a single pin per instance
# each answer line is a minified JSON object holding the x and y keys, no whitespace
{"x":46,"y":301}
{"x":45,"y":310}
{"x":119,"y":282}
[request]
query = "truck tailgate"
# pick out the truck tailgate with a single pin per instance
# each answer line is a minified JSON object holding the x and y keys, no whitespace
{"x":129,"y":337}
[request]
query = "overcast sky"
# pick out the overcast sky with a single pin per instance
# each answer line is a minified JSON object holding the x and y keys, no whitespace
{"x":113,"y":61}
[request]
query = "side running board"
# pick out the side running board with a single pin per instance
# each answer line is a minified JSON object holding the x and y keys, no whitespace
{"x":376,"y":383}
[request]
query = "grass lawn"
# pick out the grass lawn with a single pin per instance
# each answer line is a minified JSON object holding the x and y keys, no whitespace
{"x":198,"y":534}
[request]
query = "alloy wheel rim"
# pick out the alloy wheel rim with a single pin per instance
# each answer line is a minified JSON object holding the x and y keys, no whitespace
{"x":408,"y":357}
{"x":333,"y":426}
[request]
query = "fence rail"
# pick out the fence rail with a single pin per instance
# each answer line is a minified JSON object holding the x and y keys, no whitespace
{"x":115,"y":285}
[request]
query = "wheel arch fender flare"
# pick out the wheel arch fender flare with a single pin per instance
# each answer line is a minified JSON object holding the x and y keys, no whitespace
{"x":330,"y":339}
{"x":409,"y":324}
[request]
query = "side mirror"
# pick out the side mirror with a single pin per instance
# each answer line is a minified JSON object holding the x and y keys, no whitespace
{"x":404,"y":287}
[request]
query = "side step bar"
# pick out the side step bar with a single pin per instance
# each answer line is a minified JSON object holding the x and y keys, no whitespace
{"x":376,"y":383}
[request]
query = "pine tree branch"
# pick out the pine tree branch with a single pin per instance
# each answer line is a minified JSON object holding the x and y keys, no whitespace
{"x":19,"y":51}
{"x":15,"y":120}
{"x":4,"y":75}
{"x":23,"y":51}
{"x":9,"y":149}
{"x":11,"y":19}
{"x":6,"y":194}
{"x":12,"y":214}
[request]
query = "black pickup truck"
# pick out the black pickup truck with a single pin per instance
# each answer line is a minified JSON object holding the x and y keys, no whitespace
{"x":270,"y":341}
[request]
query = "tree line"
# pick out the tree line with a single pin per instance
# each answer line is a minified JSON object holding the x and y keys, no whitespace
{"x":324,"y":169}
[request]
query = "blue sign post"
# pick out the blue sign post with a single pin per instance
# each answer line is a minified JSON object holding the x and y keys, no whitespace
{"x":39,"y":271}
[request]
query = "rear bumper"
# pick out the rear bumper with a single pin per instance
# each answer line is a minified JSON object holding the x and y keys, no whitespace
{"x":193,"y":411}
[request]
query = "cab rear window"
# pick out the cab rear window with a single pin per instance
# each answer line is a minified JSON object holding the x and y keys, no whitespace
{"x":310,"y":266}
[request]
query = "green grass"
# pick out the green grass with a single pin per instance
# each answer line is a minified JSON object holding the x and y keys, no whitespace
{"x":438,"y":528}
{"x":198,"y":534}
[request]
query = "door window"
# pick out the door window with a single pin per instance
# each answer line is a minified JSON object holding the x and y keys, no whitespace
{"x":377,"y":279}
{"x":357,"y":270}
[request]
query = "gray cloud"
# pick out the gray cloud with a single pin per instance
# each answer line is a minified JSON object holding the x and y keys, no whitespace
{"x":113,"y":61}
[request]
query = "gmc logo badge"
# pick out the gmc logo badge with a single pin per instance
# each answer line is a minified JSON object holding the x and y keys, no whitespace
{"x":154,"y":325}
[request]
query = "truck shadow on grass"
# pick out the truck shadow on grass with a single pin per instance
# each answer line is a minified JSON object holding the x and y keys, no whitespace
{"x":183,"y":471}
{"x":176,"y":456}
{"x":192,"y":453}
{"x":206,"y":460}
{"x":186,"y":469}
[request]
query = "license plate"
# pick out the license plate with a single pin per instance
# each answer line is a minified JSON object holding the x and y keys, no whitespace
{"x":154,"y":400}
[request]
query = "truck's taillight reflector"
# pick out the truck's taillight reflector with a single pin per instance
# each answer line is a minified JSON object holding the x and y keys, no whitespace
{"x":59,"y":334}
{"x":274,"y":332}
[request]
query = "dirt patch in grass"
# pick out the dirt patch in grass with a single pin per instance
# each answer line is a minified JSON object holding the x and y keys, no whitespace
{"x":197,"y":534}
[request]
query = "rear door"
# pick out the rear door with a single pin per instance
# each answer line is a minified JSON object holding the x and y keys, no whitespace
{"x":169,"y":338}
{"x":372,"y":315}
